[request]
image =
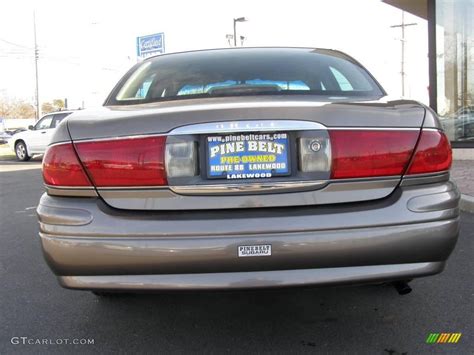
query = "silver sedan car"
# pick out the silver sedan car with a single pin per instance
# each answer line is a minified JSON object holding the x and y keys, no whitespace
{"x":247,"y":168}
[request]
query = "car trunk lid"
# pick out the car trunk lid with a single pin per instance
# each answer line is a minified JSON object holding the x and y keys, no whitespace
{"x":175,"y":155}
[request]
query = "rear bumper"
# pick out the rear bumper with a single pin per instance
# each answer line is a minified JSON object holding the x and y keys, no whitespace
{"x":91,"y":246}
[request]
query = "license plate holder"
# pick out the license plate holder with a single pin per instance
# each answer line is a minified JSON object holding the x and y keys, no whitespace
{"x":246,"y":156}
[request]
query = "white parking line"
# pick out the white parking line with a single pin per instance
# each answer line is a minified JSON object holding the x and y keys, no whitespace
{"x":19,"y":167}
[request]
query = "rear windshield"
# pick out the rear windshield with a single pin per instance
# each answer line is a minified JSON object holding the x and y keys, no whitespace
{"x":244,"y":72}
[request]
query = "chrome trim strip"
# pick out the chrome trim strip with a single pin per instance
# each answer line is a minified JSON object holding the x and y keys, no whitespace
{"x":58,"y":143}
{"x":69,"y":187}
{"x":416,"y":176}
{"x":236,"y":105}
{"x":131,"y":187}
{"x":247,"y":126}
{"x":373,"y":128}
{"x":369,"y":178}
{"x":116,"y":138}
{"x":184,"y":130}
{"x":432,"y":129}
{"x":246,"y":187}
{"x":409,"y":180}
{"x":71,"y":191}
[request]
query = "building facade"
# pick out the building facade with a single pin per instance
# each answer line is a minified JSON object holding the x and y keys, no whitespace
{"x":451,"y":65}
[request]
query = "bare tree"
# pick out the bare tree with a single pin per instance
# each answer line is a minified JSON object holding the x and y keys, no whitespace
{"x":24,"y":110}
{"x":55,"y":105}
{"x":16,"y":109}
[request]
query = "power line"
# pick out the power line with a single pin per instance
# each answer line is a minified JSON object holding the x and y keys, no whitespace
{"x":41,"y":56}
{"x":15,"y":56}
{"x":16,"y":53}
{"x":15,"y":44}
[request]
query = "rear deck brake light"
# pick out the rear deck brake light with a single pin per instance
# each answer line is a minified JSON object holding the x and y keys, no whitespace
{"x":61,"y":167}
{"x":371,"y":153}
{"x":433,"y":153}
{"x":125,"y":162}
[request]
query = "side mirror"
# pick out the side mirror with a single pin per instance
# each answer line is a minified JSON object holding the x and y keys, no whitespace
{"x":31,"y":128}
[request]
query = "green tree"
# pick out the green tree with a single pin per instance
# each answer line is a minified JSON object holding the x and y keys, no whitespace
{"x":59,"y":103}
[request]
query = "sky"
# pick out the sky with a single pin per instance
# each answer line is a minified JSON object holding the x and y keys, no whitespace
{"x":86,"y":46}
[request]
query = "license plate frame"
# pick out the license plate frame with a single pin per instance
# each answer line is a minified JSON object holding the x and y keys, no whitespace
{"x":281,"y":163}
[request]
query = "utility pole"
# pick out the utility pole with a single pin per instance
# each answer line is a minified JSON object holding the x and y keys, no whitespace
{"x":402,"y":26}
{"x":235,"y":33}
{"x":36,"y":69}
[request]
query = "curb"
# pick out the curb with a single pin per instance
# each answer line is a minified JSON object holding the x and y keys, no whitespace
{"x":467,"y":203}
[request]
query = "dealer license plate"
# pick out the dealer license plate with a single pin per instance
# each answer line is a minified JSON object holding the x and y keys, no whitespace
{"x":248,"y":156}
{"x":255,"y":250}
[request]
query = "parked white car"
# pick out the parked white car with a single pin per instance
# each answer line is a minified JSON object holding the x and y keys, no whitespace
{"x":37,"y":137}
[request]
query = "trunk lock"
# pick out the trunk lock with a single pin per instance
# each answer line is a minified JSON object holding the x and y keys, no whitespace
{"x":315,"y":146}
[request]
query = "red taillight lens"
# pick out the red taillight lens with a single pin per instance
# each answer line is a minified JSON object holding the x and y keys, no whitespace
{"x":433,"y":154}
{"x":368,"y":153}
{"x":61,"y":167}
{"x":125,"y":162}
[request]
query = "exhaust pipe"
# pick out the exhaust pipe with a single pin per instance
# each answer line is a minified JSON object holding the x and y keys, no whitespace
{"x":402,"y":287}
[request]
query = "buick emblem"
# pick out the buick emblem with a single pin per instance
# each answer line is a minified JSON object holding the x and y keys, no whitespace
{"x":315,"y":146}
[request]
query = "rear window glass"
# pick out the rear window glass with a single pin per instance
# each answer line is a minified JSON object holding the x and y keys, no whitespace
{"x":244,"y":72}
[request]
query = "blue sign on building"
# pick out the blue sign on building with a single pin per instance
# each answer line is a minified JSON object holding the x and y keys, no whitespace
{"x":150,"y":45}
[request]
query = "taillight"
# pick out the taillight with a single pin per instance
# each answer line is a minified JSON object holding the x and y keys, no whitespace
{"x":125,"y":162}
{"x":433,"y":153}
{"x":61,"y":167}
{"x":370,"y":153}
{"x":144,"y":161}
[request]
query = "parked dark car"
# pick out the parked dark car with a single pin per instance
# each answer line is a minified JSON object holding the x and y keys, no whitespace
{"x":461,"y":123}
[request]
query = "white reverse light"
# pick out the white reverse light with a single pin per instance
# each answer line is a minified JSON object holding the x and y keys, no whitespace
{"x":314,"y":154}
{"x":181,"y":159}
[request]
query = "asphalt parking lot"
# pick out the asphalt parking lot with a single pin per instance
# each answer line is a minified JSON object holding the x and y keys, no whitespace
{"x":353,"y":320}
